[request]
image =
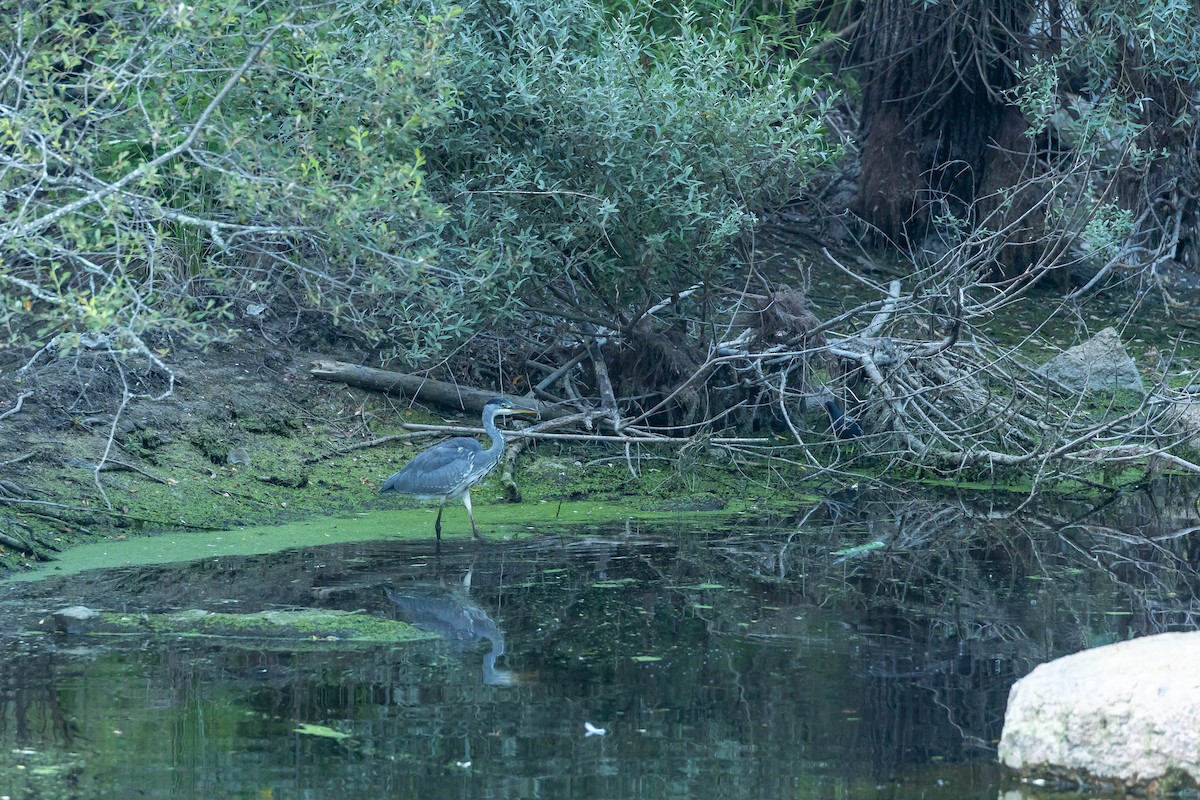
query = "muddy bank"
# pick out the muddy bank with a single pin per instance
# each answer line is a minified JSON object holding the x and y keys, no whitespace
{"x":247,"y":438}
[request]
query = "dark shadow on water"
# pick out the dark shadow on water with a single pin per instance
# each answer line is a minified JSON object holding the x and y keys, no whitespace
{"x":863,"y":646}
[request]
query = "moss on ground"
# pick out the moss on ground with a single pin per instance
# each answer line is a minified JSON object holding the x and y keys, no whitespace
{"x":172,"y":479}
{"x":501,"y":522}
{"x":319,"y":494}
{"x":308,"y":626}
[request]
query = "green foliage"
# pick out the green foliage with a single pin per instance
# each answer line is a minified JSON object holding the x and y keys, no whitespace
{"x":1107,"y":229}
{"x":597,"y":166}
{"x":1118,"y":68}
{"x":164,"y":161}
{"x":1117,"y":88}
{"x":406,"y":169}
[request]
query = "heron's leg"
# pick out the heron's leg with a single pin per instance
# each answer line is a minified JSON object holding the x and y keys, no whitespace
{"x":437,"y":523}
{"x":467,"y":502}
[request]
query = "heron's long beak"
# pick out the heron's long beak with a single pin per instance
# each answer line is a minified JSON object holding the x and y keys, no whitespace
{"x":519,"y":408}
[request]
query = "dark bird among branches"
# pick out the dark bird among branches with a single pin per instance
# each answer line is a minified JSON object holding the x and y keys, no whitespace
{"x":844,"y":427}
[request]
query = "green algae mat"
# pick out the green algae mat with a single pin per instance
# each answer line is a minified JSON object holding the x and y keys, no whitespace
{"x":503,"y":523}
{"x":285,"y":627}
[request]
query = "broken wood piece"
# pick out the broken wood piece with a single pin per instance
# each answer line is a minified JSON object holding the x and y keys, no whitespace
{"x":427,"y":390}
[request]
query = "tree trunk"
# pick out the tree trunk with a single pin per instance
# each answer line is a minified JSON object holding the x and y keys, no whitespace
{"x":933,"y":78}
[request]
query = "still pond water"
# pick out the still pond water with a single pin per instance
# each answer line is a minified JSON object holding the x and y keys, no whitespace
{"x":862,"y":647}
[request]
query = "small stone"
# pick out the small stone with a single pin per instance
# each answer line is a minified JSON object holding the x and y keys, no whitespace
{"x":74,"y":619}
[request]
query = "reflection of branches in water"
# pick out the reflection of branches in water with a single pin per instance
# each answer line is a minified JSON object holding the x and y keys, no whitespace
{"x":957,"y":564}
{"x":1159,"y":580}
{"x":922,"y":701}
{"x":33,"y":710}
{"x":1007,"y":587}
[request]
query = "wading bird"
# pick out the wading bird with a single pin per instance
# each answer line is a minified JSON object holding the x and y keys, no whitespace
{"x":450,"y":468}
{"x":844,"y":427}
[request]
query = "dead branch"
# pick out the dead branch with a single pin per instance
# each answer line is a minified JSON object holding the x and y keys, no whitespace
{"x":17,"y":460}
{"x":608,"y":399}
{"x":17,"y":406}
{"x":381,"y":440}
{"x":930,"y":388}
{"x":113,"y":465}
{"x":884,"y":314}
{"x":17,"y":544}
{"x":34,"y":507}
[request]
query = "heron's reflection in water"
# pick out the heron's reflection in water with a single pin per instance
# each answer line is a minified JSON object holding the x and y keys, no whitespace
{"x":458,"y":620}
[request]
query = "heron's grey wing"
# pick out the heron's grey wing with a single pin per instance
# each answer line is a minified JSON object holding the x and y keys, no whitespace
{"x":455,"y":617}
{"x":438,"y":471}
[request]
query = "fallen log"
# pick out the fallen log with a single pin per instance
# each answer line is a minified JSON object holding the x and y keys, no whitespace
{"x":427,"y":390}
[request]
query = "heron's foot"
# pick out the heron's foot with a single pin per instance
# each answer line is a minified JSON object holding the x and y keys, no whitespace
{"x":479,"y":537}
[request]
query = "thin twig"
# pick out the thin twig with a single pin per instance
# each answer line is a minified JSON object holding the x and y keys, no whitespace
{"x":16,"y":407}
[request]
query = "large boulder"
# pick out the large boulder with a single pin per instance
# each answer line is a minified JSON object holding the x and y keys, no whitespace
{"x":1126,"y":713}
{"x":1099,"y":364}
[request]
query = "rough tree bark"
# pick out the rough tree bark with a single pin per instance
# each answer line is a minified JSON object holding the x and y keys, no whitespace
{"x":935,"y":124}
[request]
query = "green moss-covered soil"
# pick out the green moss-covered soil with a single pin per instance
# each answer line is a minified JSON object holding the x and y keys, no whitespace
{"x":309,"y":626}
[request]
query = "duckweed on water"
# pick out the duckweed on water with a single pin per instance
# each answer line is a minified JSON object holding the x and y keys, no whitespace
{"x":309,"y":625}
{"x":503,"y":522}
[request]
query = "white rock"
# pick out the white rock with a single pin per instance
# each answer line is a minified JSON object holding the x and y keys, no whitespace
{"x":1101,"y":363}
{"x":73,"y":619}
{"x":1127,"y":712}
{"x":1186,"y":416}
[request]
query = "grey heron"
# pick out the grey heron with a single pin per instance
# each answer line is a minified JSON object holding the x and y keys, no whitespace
{"x":450,"y":468}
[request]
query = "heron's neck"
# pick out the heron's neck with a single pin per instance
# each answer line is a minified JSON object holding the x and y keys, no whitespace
{"x":489,"y":425}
